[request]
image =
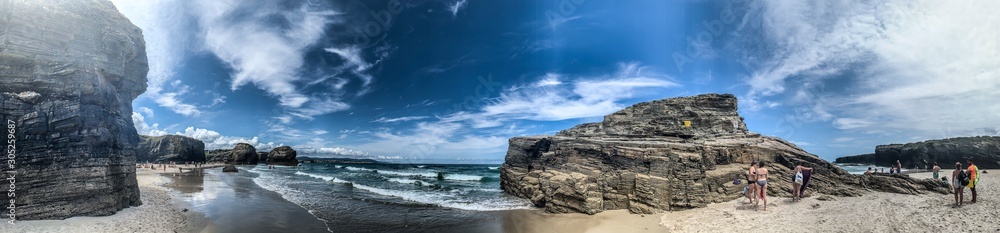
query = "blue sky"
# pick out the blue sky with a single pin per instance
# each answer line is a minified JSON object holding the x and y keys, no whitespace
{"x":450,"y":81}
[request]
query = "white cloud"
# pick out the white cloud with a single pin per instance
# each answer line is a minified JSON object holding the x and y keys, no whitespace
{"x":550,"y":100}
{"x":843,"y":139}
{"x":242,"y":35}
{"x":143,"y":128}
{"x":215,"y":140}
{"x":147,"y":111}
{"x":399,"y":119}
{"x":923,"y":67}
{"x":437,"y":139}
{"x":455,"y":7}
{"x":161,"y":21}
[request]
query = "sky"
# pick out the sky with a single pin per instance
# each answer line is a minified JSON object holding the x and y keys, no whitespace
{"x":450,"y":81}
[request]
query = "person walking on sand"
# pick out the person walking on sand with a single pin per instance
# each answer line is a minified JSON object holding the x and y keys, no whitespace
{"x":761,"y":184}
{"x":973,"y":178}
{"x":936,"y":169}
{"x":957,"y":184}
{"x":752,"y":182}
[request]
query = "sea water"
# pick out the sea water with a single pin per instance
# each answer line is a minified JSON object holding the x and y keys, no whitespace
{"x":381,"y":197}
{"x":858,"y":169}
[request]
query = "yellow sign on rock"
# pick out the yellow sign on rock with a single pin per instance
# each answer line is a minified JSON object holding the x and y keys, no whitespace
{"x":687,"y":123}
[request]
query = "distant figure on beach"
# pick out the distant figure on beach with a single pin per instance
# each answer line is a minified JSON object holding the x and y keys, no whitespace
{"x":936,"y":169}
{"x":800,"y":181}
{"x":957,"y":184}
{"x":973,"y":178}
{"x":899,"y":167}
{"x":869,"y":171}
{"x":892,"y":169}
{"x":883,"y":170}
{"x":761,"y":184}
{"x":752,"y":181}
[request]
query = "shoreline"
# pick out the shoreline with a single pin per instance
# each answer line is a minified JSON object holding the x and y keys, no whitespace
{"x":215,"y":205}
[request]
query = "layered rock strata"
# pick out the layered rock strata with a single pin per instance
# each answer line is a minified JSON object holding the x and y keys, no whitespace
{"x":664,"y":155}
{"x":69,"y":71}
{"x":170,"y":148}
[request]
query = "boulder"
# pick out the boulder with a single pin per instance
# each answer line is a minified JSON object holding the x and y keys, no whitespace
{"x":664,"y":155}
{"x":242,"y":153}
{"x":170,"y":148}
{"x":230,"y":168}
{"x":985,"y":151}
{"x":69,"y":71}
{"x":282,"y":155}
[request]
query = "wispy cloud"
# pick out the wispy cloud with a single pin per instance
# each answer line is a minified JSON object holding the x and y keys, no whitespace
{"x":456,"y":6}
{"x":904,"y":66}
{"x":399,"y":119}
{"x":550,"y":99}
{"x":211,"y":138}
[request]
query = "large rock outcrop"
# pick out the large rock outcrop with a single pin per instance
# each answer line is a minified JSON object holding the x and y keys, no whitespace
{"x":985,"y":150}
{"x":663,"y":155}
{"x":242,"y":153}
{"x":69,"y":71}
{"x":170,"y":148}
{"x":282,"y":155}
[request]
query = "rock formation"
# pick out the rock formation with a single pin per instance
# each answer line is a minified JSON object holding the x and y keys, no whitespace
{"x":985,"y":150}
{"x":69,"y":71}
{"x":282,"y":155}
{"x":261,"y":156}
{"x":663,"y":155}
{"x":170,"y":148}
{"x":230,"y":168}
{"x":242,"y":153}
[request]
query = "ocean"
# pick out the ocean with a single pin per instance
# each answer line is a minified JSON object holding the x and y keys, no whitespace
{"x":392,"y":197}
{"x":859,"y":169}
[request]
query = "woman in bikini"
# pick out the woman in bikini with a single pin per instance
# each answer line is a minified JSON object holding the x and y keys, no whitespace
{"x":761,"y":184}
{"x":957,"y":184}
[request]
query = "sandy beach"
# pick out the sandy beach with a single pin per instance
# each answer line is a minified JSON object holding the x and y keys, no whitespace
{"x":166,"y":195}
{"x":160,"y":212}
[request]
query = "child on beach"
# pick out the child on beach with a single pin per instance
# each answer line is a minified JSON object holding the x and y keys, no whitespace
{"x":936,"y":169}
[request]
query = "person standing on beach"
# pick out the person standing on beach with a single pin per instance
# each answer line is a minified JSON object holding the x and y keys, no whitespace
{"x":752,"y":181}
{"x":936,"y":169}
{"x":973,"y":178}
{"x":806,"y":174}
{"x":761,"y":184}
{"x":899,"y":167}
{"x":957,"y":184}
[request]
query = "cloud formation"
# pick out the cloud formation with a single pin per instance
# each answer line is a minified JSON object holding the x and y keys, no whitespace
{"x":925,"y":67}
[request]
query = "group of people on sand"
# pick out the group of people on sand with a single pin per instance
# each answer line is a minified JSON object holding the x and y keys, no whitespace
{"x":960,"y":179}
{"x":893,"y":169}
{"x":758,"y":174}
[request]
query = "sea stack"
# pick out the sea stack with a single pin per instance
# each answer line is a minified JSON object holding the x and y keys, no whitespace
{"x":282,"y":155}
{"x":242,"y":153}
{"x":663,"y":155}
{"x":69,"y":71}
{"x":170,"y":148}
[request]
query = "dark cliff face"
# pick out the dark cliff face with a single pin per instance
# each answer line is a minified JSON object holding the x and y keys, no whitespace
{"x":646,"y":159}
{"x":985,"y":150}
{"x":282,"y":155}
{"x":69,"y":71}
{"x":170,"y":148}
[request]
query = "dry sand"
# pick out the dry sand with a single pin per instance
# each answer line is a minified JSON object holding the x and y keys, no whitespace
{"x":873,"y":212}
{"x":160,"y":212}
